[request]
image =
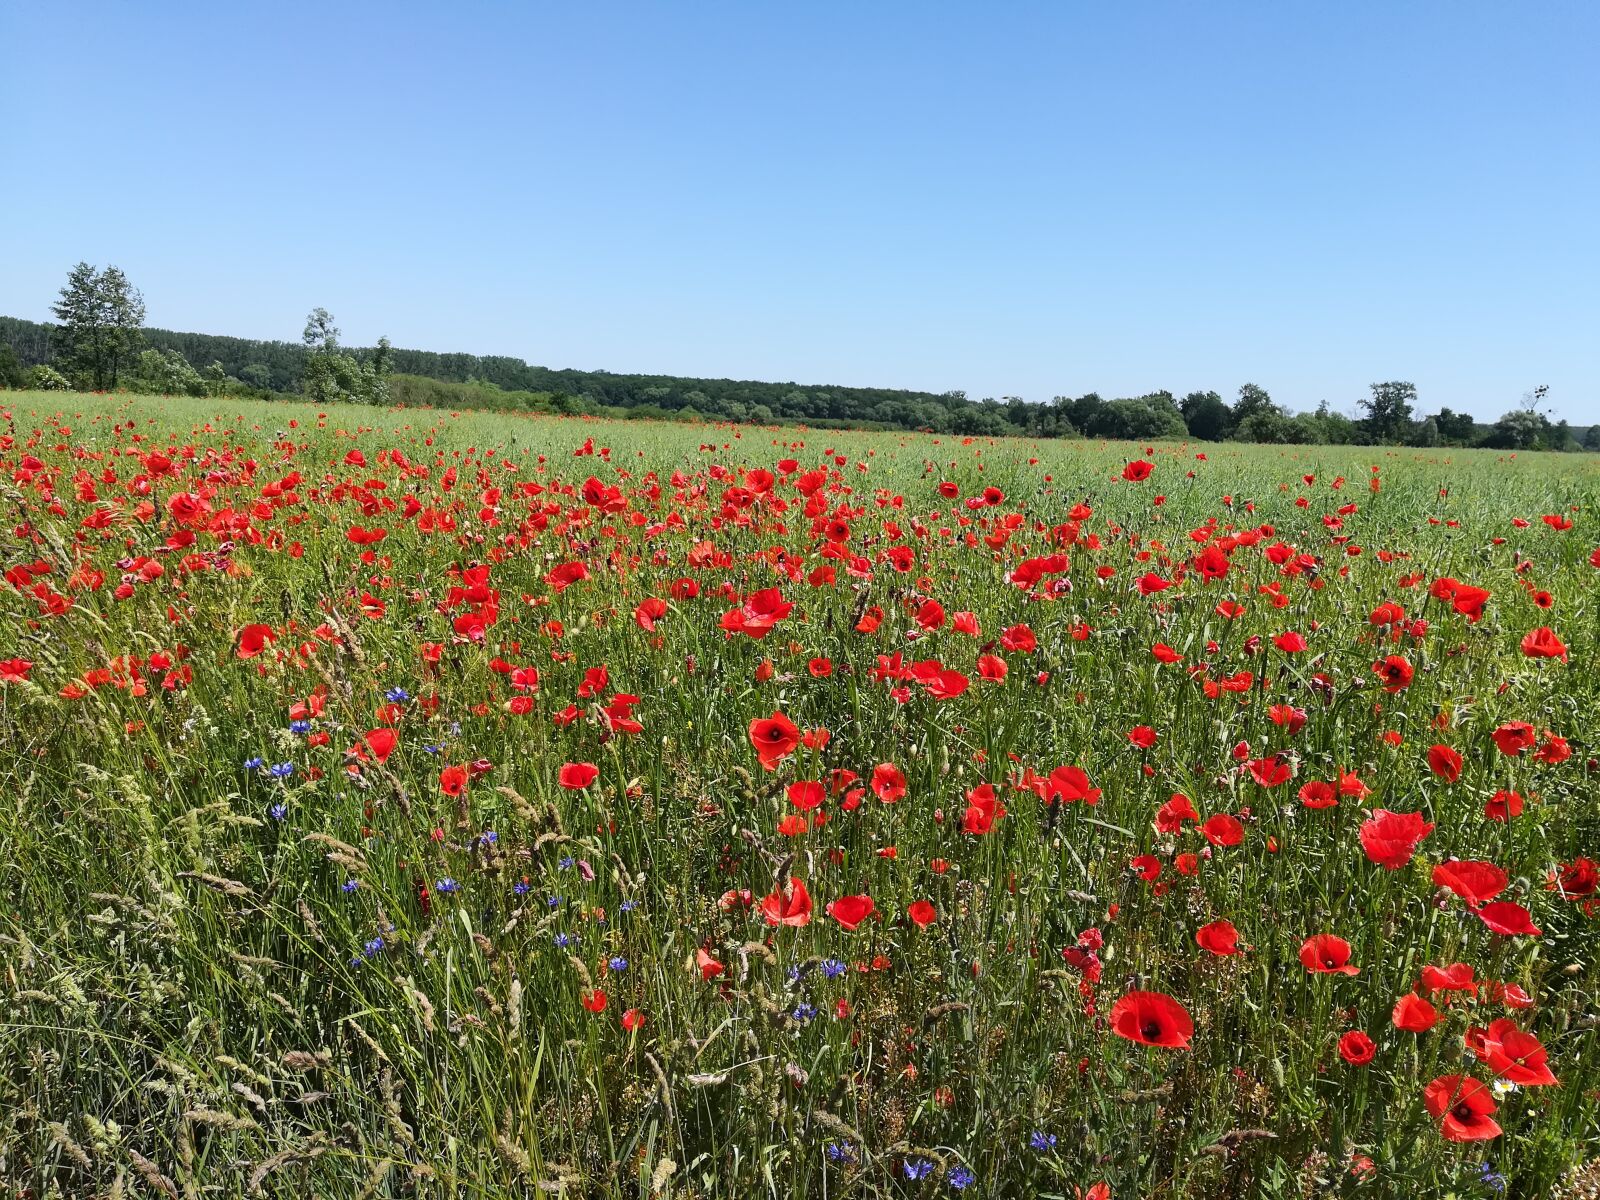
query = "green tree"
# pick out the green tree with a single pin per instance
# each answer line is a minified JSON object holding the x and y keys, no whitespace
{"x":1519,"y":429}
{"x":1388,"y":410}
{"x":12,"y":374}
{"x":1253,"y":399}
{"x":1207,"y":416}
{"x":332,"y":377}
{"x":321,"y":335}
{"x":1591,"y":440}
{"x":1455,"y":429}
{"x":101,"y":317}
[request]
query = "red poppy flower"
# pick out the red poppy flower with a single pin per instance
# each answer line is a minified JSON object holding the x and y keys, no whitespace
{"x":931,"y":615}
{"x":1475,"y":882}
{"x":381,"y":743}
{"x":1356,"y":1048}
{"x":1390,"y":838}
{"x":1069,"y":784}
{"x":1019,"y":639}
{"x":1457,"y":977}
{"x":774,"y":738}
{"x":1273,"y":771}
{"x":1218,"y":937}
{"x":1152,"y":1019}
{"x":1395,"y":672}
{"x":1463,"y":1106}
{"x":1514,"y":737}
{"x":1508,"y":918}
{"x":850,"y":911}
{"x":1221,"y":829}
{"x":922,"y":914}
{"x":1318,"y":794}
{"x":632,"y":1019}
{"x":888,"y":783}
{"x":1142,"y":736}
{"x":453,"y":780}
{"x":1414,"y":1014}
{"x":1576,"y":879}
{"x":790,"y":907}
{"x":1510,"y":1053}
{"x":1325,"y":954}
{"x":575,"y":776}
{"x":983,"y":810}
{"x":594,"y":1001}
{"x":649,"y":612}
{"x":1138,"y":471}
{"x":805,"y":794}
{"x":1171,"y":815}
{"x":253,"y":639}
{"x":1445,"y":763}
{"x":1503,"y":805}
{"x":1543,"y":643}
{"x":1290,"y":642}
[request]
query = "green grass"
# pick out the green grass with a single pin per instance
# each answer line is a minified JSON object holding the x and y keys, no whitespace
{"x":186,"y":1003}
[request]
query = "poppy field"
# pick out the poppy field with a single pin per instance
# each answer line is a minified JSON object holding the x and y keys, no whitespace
{"x":428,"y":804}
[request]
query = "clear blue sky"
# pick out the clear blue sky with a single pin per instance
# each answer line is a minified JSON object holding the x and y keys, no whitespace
{"x":1008,"y":199}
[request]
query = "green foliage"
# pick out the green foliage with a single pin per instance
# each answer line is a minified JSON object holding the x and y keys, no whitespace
{"x":12,"y":372}
{"x":1144,"y":418}
{"x":101,"y":316}
{"x":166,"y":372}
{"x":333,"y":377}
{"x":1388,"y":410}
{"x":1207,"y":416}
{"x":47,"y":379}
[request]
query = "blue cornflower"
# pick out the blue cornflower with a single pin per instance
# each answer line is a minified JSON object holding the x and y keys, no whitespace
{"x":446,"y":885}
{"x":299,"y":726}
{"x":278,"y":811}
{"x":434,"y":749}
{"x":254,"y":764}
{"x":374,"y":946}
{"x":917,"y":1168}
{"x":281,"y":770}
{"x":349,"y":886}
{"x":1042,"y":1142}
{"x":567,"y":862}
{"x":961,"y":1177}
{"x":629,"y":905}
{"x":841,"y":1152}
{"x":617,"y":963}
{"x":833,"y":968}
{"x":555,"y":901}
{"x":521,"y":887}
{"x":803,"y":1012}
{"x":489,"y":837}
{"x":563,"y":940}
{"x":1491,"y":1179}
{"x":397,"y":695}
{"x":794,"y":974}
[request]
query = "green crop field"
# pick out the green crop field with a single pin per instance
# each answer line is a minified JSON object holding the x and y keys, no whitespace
{"x":469,"y":805}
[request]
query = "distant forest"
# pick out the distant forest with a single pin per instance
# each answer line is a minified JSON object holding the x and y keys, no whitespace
{"x":318,"y":368}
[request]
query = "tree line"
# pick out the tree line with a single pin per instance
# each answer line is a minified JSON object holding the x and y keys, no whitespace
{"x":99,"y":342}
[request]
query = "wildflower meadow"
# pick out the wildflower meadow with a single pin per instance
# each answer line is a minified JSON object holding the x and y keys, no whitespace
{"x":451,"y":805}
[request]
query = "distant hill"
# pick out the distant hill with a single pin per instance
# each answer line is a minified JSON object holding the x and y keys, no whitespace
{"x":427,"y":378}
{"x":278,"y":367}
